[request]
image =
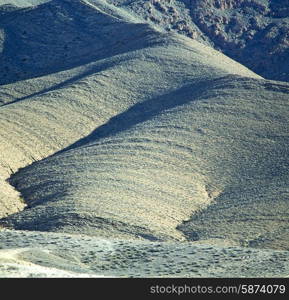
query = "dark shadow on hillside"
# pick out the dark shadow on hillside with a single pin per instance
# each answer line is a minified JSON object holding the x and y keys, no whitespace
{"x":39,"y":42}
{"x":89,"y":71}
{"x":147,"y":110}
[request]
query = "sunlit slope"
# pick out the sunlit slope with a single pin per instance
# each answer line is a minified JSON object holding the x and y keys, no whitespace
{"x":43,"y":114}
{"x":218,"y":145}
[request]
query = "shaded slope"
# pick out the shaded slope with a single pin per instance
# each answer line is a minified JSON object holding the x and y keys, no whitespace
{"x":39,"y":254}
{"x":53,"y":111}
{"x":149,"y":133}
{"x":22,"y":3}
{"x":220,"y":146}
{"x":252,"y":32}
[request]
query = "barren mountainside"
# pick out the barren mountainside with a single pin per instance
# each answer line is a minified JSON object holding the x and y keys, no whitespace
{"x":144,"y":138}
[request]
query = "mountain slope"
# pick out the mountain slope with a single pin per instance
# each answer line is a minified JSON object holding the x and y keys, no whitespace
{"x":22,"y":3}
{"x":116,"y":129}
{"x":57,"y":109}
{"x":252,"y":32}
{"x":153,"y":166}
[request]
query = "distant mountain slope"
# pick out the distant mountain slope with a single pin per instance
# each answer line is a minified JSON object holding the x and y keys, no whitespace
{"x":217,"y":144}
{"x":252,"y":32}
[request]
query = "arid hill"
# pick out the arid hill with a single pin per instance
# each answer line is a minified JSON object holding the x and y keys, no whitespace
{"x":118,"y":133}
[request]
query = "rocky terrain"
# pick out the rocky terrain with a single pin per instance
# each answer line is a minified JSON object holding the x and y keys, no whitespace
{"x":252,"y":32}
{"x":38,"y":254}
{"x":129,"y":146}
